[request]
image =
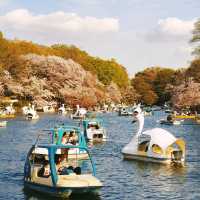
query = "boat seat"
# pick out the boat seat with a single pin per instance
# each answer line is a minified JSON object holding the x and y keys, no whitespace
{"x":40,"y":180}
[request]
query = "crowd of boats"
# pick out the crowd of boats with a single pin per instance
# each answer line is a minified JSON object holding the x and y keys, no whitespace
{"x":59,"y":162}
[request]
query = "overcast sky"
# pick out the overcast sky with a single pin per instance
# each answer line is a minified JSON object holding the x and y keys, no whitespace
{"x":137,"y":33}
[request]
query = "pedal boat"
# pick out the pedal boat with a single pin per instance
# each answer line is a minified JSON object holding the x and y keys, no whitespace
{"x":30,"y":112}
{"x":55,"y":137}
{"x":125,"y":111}
{"x":3,"y":124}
{"x":74,"y":177}
{"x":154,"y":145}
{"x":93,"y":130}
{"x":7,"y":112}
{"x":62,"y":110}
{"x":79,"y":114}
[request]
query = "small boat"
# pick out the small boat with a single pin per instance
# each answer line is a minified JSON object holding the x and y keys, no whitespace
{"x":5,"y":116}
{"x":168,"y":111}
{"x":8,"y":112}
{"x":48,"y":109}
{"x":185,"y":116}
{"x":171,"y":121}
{"x":154,"y":145}
{"x":79,"y":114}
{"x":166,"y":122}
{"x":93,"y":130}
{"x":124,"y":111}
{"x":30,"y":112}
{"x":147,"y":111}
{"x":62,"y":110}
{"x":56,"y":174}
{"x":3,"y":123}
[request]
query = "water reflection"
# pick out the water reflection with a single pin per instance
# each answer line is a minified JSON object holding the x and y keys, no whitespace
{"x":31,"y":195}
{"x":160,"y":169}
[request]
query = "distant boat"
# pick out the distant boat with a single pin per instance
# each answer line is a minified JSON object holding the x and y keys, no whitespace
{"x":168,"y":111}
{"x":171,"y":121}
{"x":48,"y":109}
{"x":166,"y":122}
{"x":5,"y":116}
{"x":3,"y":123}
{"x":30,"y":112}
{"x":62,"y":110}
{"x":124,"y":111}
{"x":147,"y":111}
{"x":93,"y":130}
{"x":79,"y":114}
{"x":8,"y":112}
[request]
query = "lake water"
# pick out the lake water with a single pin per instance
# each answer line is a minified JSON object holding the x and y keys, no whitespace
{"x":122,"y":180}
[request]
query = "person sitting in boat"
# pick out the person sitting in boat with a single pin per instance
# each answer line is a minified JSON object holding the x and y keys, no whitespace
{"x":169,"y":118}
{"x":64,"y":169}
{"x":45,"y":170}
{"x":72,"y":138}
{"x":96,"y":126}
{"x":65,"y":138}
{"x":59,"y":163}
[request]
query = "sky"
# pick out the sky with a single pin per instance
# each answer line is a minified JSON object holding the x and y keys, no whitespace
{"x":137,"y":33}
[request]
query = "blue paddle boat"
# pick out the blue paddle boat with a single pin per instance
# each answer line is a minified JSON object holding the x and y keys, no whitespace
{"x":93,"y":130}
{"x":57,"y":174}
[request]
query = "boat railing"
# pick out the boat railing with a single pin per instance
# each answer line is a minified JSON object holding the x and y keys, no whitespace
{"x":43,"y":138}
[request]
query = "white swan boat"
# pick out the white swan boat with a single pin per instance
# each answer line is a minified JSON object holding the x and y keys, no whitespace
{"x":62,"y":110}
{"x":154,"y":145}
{"x":30,"y":112}
{"x":79,"y":114}
{"x":9,"y":110}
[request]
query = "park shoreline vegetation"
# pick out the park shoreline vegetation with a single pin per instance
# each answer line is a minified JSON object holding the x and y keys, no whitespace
{"x":65,"y":74}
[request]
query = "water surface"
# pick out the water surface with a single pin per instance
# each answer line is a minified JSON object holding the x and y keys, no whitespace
{"x":122,"y":180}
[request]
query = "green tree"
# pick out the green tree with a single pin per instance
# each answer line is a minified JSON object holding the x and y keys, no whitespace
{"x":196,"y":38}
{"x":164,"y":77}
{"x":194,"y":70}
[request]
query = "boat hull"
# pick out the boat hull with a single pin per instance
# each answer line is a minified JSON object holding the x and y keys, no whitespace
{"x":60,"y":191}
{"x":7,"y":116}
{"x":147,"y":158}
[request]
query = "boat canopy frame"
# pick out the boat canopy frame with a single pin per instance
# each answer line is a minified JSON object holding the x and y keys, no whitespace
{"x":56,"y":134}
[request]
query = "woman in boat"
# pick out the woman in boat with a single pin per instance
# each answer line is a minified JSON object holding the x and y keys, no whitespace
{"x":65,"y":138}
